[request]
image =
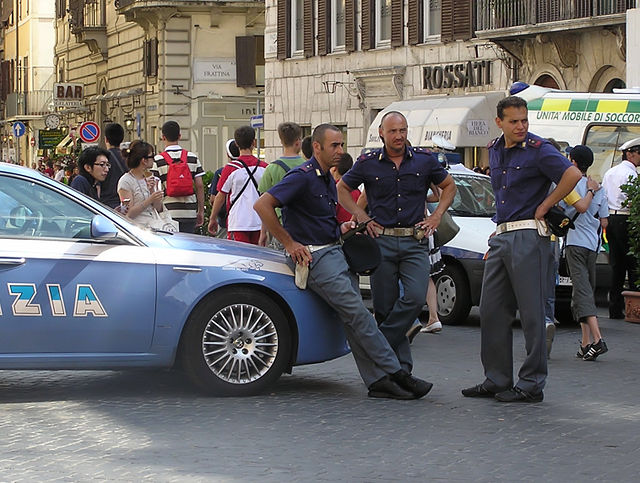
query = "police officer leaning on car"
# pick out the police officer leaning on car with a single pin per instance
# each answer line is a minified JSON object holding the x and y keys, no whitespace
{"x":310,"y":236}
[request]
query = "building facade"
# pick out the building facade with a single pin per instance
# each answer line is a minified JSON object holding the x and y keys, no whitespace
{"x":342,"y":61}
{"x":26,"y":74}
{"x":142,"y":63}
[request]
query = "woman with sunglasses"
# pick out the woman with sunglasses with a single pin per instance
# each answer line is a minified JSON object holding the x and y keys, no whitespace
{"x":141,"y":191}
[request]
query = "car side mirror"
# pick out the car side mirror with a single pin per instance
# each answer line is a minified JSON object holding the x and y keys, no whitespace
{"x":103,"y":228}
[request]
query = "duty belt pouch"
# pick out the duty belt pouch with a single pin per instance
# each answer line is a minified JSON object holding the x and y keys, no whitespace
{"x":302,"y":274}
{"x":543,"y":229}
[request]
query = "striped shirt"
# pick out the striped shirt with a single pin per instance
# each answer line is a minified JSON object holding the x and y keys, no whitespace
{"x":181,"y":208}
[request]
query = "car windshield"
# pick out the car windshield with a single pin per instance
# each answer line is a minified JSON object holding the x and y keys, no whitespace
{"x":474,"y":196}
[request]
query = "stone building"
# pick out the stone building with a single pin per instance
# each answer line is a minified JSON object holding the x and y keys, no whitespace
{"x":342,"y":61}
{"x":26,"y":74}
{"x":142,"y":63}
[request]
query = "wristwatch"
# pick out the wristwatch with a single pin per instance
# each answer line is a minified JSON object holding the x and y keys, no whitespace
{"x":592,"y":191}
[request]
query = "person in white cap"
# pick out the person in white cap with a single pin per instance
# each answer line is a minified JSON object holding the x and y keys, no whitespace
{"x":622,"y":264}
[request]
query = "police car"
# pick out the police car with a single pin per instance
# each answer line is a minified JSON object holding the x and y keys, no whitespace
{"x":82,"y":287}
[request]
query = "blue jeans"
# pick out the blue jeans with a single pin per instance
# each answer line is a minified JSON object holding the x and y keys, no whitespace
{"x":406,"y":260}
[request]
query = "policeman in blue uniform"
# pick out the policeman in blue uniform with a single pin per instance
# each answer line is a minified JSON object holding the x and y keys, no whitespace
{"x":310,"y":236}
{"x":396,"y":179}
{"x":523,"y":166}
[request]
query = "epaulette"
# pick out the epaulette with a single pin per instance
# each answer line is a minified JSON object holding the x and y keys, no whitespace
{"x":534,"y":143}
{"x":306,"y":167}
{"x":421,"y":150}
{"x":492,"y":142}
{"x":373,"y":154}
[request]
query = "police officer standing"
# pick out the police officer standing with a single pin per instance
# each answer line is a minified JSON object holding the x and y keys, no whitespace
{"x":396,"y":180}
{"x":523,"y":166}
{"x":310,"y":236}
{"x":622,"y":263}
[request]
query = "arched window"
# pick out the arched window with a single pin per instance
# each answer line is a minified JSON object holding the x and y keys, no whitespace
{"x":546,"y":80}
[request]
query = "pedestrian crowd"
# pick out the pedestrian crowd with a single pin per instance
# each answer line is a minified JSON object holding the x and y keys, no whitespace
{"x":328,"y":213}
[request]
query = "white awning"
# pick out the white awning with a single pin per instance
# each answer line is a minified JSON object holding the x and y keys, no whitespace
{"x":465,"y":121}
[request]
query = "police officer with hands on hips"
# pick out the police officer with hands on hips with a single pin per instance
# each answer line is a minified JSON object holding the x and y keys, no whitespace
{"x":310,"y":236}
{"x":396,"y":180}
{"x":523,"y":166}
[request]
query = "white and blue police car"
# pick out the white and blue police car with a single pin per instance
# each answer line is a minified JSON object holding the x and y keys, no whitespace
{"x":82,"y":287}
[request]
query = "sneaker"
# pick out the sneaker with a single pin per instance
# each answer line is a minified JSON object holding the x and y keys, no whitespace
{"x":582,"y":350}
{"x":551,"y":333}
{"x":595,"y":350}
{"x":432,"y":328}
{"x":414,"y":330}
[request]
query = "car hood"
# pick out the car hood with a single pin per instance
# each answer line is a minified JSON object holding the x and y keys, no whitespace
{"x":218,"y":245}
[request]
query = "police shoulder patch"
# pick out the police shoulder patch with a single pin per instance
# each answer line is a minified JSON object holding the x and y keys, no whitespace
{"x":492,"y":143}
{"x":421,"y":150}
{"x":306,"y":167}
{"x":373,"y":154}
{"x":534,"y":143}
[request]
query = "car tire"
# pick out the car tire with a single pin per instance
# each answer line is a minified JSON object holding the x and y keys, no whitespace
{"x":236,"y":343}
{"x":454,"y":295}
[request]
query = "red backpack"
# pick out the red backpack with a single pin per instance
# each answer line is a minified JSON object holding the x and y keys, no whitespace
{"x":179,"y":180}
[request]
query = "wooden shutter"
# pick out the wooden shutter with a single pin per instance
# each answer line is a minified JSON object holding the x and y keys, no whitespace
{"x":368,"y":19}
{"x":308,"y":28}
{"x":246,"y":61}
{"x":5,"y":65}
{"x":284,"y":29}
{"x":150,"y":57}
{"x":350,"y":25}
{"x":324,"y":30}
{"x":456,"y":22}
{"x":397,"y":23}
{"x":415,"y":22}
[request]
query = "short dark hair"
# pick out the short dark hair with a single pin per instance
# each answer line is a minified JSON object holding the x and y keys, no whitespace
{"x":114,"y":134}
{"x":555,"y":144}
{"x":171,"y":131}
{"x":244,"y":137}
{"x":307,"y":147}
{"x":511,"y":101}
{"x":318,"y":132}
{"x":88,"y":157}
{"x":583,"y":156}
{"x":289,"y":133}
{"x":345,"y":163}
{"x":392,"y":113}
{"x":136,"y":153}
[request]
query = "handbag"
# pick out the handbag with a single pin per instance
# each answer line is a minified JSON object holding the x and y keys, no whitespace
{"x":162,"y":221}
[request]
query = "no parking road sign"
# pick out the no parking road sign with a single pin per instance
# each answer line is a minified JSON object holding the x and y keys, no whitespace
{"x":89,"y":132}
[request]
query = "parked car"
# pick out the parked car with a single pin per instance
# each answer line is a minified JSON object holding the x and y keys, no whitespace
{"x":82,"y":287}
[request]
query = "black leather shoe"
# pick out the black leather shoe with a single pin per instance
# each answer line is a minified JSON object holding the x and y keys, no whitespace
{"x":477,"y":391}
{"x":386,"y":388}
{"x":516,"y":394}
{"x":416,"y":386}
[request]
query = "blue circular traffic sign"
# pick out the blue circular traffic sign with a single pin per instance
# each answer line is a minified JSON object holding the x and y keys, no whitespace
{"x":19,"y":129}
{"x":89,"y":132}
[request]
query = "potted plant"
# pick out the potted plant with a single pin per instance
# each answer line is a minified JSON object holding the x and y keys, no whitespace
{"x":632,"y":297}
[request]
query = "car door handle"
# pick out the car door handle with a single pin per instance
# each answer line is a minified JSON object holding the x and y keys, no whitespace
{"x":12,"y":261}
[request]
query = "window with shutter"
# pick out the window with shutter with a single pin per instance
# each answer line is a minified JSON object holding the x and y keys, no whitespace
{"x":432,"y":15}
{"x":308,"y":28}
{"x":150,"y":57}
{"x":297,"y":27}
{"x":323,"y":27}
{"x":284,"y":32}
{"x":337,"y":25}
{"x":446,"y":30}
{"x":382,"y":22}
{"x":350,"y":25}
{"x":250,"y":61}
{"x":368,"y":26}
{"x":462,"y":20}
{"x":397,"y":23}
{"x":414,"y":21}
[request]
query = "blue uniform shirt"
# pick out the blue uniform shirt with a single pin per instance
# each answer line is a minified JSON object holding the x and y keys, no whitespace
{"x":521,"y":176}
{"x":396,"y":197}
{"x":309,"y":200}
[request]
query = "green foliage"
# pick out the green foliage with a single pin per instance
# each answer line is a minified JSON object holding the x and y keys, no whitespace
{"x":206,"y":180}
{"x":632,"y":190}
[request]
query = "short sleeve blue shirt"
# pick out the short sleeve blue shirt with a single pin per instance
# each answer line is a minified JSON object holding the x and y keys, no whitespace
{"x":521,"y":176}
{"x":396,"y":197}
{"x":309,"y":201}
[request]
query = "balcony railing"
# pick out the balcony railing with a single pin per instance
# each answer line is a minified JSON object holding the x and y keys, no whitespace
{"x":32,"y":103}
{"x":89,"y":14}
{"x":498,"y":14}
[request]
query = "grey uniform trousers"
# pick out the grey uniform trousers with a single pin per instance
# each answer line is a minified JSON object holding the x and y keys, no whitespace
{"x":330,"y":278}
{"x":515,"y":277}
{"x":405,"y":260}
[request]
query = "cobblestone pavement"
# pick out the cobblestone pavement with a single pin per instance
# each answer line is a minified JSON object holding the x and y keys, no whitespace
{"x":318,"y":424}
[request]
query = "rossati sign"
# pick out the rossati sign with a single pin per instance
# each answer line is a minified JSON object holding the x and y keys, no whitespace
{"x":68,"y":95}
{"x":464,"y":74}
{"x":214,"y":70}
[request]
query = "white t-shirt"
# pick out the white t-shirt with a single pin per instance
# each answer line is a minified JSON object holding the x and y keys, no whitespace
{"x":242,"y":216}
{"x":140,"y":192}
